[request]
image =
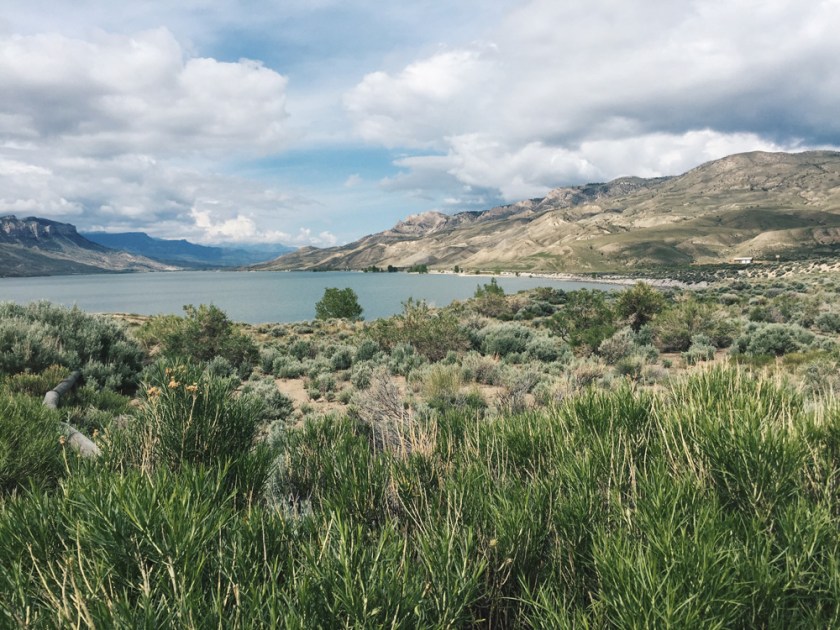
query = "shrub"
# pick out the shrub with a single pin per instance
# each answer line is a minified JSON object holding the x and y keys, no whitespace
{"x":203,"y":334}
{"x":773,"y":339}
{"x":639,"y":305}
{"x":481,"y":369}
{"x":504,"y":339}
{"x":547,"y":349}
{"x":585,"y":319}
{"x":828,"y":322}
{"x":338,"y":303}
{"x":404,"y":359}
{"x":700,"y":350}
{"x":361,"y":375}
{"x":432,"y":333}
{"x":675,"y":327}
{"x":188,"y":416}
{"x":366,"y":350}
{"x":274,"y":405}
{"x":38,"y":335}
{"x":620,"y":345}
{"x":342,"y":358}
{"x":30,"y":453}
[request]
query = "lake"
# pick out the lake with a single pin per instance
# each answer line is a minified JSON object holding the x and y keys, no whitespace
{"x":257,"y":297}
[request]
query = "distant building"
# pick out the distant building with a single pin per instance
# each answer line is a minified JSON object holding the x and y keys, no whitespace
{"x":744,"y":260}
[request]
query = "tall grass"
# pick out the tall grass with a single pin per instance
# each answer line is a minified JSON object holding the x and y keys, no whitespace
{"x":713,"y":504}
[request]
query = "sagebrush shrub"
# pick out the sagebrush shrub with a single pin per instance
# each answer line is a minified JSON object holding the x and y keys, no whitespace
{"x":505,"y":339}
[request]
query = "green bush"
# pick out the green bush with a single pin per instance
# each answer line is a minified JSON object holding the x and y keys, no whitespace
{"x":274,"y":405}
{"x":585,"y":319}
{"x":366,"y":350}
{"x":622,"y":344}
{"x":674,"y":327}
{"x":432,"y":333}
{"x":38,"y":335}
{"x":828,"y":322}
{"x":773,"y":339}
{"x":504,"y":339}
{"x":190,"y":417}
{"x":30,"y":452}
{"x":639,"y":305}
{"x":547,"y":349}
{"x":701,"y":349}
{"x":338,"y":303}
{"x":342,"y":358}
{"x":203,"y":334}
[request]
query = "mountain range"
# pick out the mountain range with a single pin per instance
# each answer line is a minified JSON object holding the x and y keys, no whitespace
{"x":746,"y":205}
{"x":35,"y":246}
{"x":186,"y":254}
{"x":38,"y":247}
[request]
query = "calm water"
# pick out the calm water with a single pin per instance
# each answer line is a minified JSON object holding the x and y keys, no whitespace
{"x":255,"y":297}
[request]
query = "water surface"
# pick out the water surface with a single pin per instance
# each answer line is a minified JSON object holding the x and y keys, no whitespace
{"x":256,"y":297}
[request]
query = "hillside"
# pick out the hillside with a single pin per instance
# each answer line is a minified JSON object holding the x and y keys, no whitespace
{"x":752,"y":204}
{"x":184,"y":253}
{"x":39,"y":247}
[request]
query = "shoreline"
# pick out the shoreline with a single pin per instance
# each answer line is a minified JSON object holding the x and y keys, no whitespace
{"x":661,"y":283}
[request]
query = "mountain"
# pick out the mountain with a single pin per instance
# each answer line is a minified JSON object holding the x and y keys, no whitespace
{"x":751,"y":204}
{"x":184,"y":253}
{"x":39,"y":247}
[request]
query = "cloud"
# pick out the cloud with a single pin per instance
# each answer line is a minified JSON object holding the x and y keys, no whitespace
{"x":127,"y":131}
{"x":118,"y":93}
{"x":565,"y":92}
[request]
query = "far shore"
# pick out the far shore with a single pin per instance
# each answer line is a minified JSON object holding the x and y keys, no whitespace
{"x":664,"y":283}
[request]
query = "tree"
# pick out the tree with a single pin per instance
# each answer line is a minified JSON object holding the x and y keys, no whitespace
{"x":338,"y":303}
{"x":584,"y":319}
{"x":639,"y":304}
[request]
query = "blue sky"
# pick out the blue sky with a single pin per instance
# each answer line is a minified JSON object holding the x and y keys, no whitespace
{"x":316,"y":122}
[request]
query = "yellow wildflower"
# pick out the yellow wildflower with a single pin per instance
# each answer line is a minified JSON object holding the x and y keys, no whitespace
{"x":62,"y":440}
{"x":173,"y":384}
{"x":153,"y":392}
{"x":192,"y":388}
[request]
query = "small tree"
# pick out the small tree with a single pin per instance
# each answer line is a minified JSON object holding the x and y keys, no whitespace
{"x":338,"y":303}
{"x":639,"y":305}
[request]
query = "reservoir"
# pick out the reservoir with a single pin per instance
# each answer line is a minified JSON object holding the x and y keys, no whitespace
{"x":257,"y":297}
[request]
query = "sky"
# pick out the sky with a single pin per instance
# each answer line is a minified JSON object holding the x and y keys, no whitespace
{"x":315,"y":122}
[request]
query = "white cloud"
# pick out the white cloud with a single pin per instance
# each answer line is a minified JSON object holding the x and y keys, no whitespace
{"x":119,"y":130}
{"x":119,"y":93}
{"x":570,"y":92}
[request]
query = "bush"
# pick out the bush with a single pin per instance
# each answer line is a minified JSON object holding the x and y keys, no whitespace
{"x":639,"y":305}
{"x":504,"y":339}
{"x":274,"y":405}
{"x":828,"y":322}
{"x":339,"y":304}
{"x":585,"y":319}
{"x":620,"y":345}
{"x":342,"y":358}
{"x":191,"y":417}
{"x":361,"y":375}
{"x":675,"y":327}
{"x":404,"y":359}
{"x":547,"y":349}
{"x":30,"y":453}
{"x":38,"y":335}
{"x":366,"y":350}
{"x":773,"y":339}
{"x":432,"y":333}
{"x":203,"y":334}
{"x":701,"y":349}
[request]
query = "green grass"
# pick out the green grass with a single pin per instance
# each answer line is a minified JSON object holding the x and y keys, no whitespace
{"x":712,"y":504}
